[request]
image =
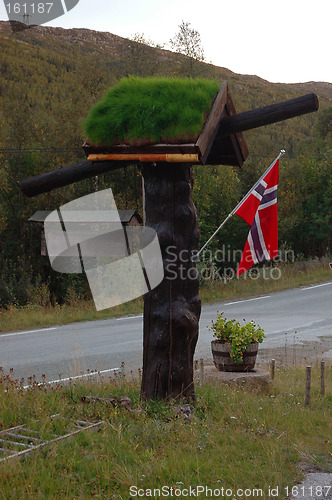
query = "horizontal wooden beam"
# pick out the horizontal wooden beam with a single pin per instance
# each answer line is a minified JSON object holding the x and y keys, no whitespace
{"x":268,"y":114}
{"x":146,"y":158}
{"x":228,"y":125}
{"x":64,"y":176}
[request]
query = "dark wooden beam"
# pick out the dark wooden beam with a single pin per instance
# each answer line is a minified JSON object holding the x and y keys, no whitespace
{"x":189,"y":148}
{"x":268,"y":114}
{"x":64,"y":176}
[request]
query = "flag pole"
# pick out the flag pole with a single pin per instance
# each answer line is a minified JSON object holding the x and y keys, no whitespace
{"x":195,"y":257}
{"x":282,"y":152}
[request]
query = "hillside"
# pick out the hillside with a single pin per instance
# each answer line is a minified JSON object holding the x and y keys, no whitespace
{"x":110,"y":46}
{"x":56,"y":75}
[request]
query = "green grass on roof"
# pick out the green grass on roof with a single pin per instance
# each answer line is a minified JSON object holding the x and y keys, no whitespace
{"x":139,"y":110}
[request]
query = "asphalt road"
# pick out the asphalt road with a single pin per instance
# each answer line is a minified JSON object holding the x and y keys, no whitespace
{"x":293,"y":316}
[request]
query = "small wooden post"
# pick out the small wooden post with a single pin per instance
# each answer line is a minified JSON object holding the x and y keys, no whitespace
{"x":272,"y":368}
{"x":201,"y":371}
{"x":322,"y":378}
{"x":307,"y":386}
{"x":123,"y":371}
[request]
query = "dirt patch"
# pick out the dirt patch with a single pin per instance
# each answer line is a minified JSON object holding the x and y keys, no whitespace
{"x":299,"y":354}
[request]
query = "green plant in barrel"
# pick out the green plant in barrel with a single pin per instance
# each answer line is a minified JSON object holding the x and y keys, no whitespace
{"x":238,"y":336}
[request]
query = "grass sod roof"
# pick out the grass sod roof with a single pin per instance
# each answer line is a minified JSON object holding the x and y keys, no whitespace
{"x":151,"y":110}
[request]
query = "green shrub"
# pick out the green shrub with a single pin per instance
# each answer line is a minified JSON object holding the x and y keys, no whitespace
{"x":15,"y":282}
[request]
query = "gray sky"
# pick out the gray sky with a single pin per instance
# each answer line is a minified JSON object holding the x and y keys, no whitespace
{"x":281,"y":41}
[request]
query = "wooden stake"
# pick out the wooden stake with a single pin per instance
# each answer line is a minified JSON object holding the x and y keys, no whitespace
{"x":123,"y":370}
{"x":322,"y":378}
{"x":201,"y":371}
{"x":272,"y":368}
{"x":307,"y":386}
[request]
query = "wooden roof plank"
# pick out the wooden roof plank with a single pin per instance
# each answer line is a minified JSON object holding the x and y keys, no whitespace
{"x":208,"y":134}
{"x":239,"y":135}
{"x":209,"y":140}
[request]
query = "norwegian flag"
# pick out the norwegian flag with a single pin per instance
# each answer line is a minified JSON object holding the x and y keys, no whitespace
{"x":259,"y":209}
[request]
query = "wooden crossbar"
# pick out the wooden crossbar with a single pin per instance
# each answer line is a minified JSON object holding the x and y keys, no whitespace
{"x":146,"y":158}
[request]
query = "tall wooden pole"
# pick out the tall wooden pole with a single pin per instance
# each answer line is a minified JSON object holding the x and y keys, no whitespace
{"x":172,"y":310}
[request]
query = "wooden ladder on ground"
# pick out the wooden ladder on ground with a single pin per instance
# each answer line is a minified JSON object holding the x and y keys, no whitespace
{"x":21,"y":440}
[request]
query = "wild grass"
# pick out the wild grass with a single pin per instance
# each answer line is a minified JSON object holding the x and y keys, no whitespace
{"x":293,"y":274}
{"x":236,"y":439}
{"x":153,"y":109}
{"x":32,"y":316}
{"x":275,"y":278}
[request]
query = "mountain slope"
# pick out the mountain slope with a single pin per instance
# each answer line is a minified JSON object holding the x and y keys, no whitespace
{"x":50,"y":77}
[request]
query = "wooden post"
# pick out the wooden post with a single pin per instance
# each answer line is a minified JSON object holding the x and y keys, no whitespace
{"x":272,"y":368}
{"x":172,"y":310}
{"x":307,"y":386}
{"x":123,"y":371}
{"x":201,"y":371}
{"x":322,"y":378}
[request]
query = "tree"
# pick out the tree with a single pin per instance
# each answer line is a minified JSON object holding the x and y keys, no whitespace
{"x":140,"y":57}
{"x":324,"y":122}
{"x":141,"y":38}
{"x":188,"y":42}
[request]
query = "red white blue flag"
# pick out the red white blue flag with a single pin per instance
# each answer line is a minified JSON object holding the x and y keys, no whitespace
{"x":259,"y":209}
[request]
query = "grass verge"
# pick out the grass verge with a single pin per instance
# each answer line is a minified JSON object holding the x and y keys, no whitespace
{"x":268,"y":280}
{"x":236,"y":440}
{"x":289,"y":275}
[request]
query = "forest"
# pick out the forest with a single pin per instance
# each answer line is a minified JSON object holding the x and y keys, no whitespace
{"x":51,"y":77}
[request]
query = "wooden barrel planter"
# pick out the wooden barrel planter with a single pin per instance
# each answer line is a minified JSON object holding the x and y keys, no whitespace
{"x":223,"y":361}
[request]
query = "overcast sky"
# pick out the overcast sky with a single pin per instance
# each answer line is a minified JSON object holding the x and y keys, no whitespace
{"x":278,"y":40}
